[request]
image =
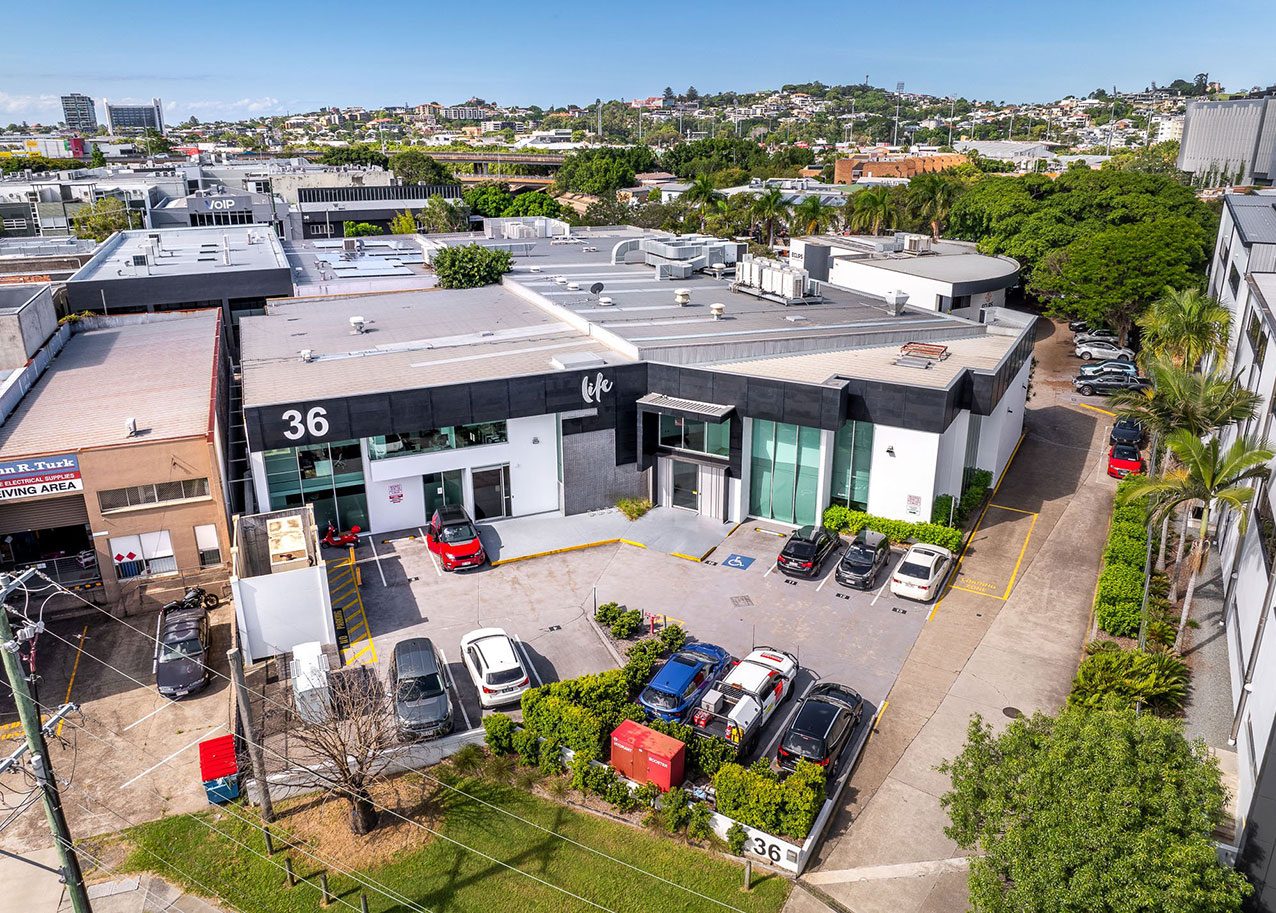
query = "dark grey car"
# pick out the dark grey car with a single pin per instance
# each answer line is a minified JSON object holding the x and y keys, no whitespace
{"x":421,"y":705}
{"x":181,"y":650}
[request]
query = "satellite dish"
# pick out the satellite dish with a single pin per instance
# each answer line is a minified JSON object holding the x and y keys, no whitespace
{"x":595,"y":288}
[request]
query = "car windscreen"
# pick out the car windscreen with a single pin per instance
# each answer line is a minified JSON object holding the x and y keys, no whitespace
{"x":458,"y":532}
{"x":505,"y":676}
{"x":912,"y":569}
{"x":661,"y":700}
{"x":185,"y":649}
{"x":806,"y":745}
{"x":799,"y":548}
{"x":1125,"y":452}
{"x":860,"y":556}
{"x":420,"y":688}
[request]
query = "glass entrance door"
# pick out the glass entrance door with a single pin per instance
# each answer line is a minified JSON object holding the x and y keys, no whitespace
{"x":443,"y":488}
{"x":686,"y":477}
{"x":492,"y":492}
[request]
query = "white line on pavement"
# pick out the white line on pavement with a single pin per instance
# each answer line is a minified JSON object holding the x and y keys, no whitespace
{"x":455,"y":690}
{"x":169,"y":758}
{"x":884,"y":872}
{"x":373,"y":546}
{"x":769,"y":570}
{"x":522,"y":650}
{"x":437,"y":569}
{"x":163,"y":706}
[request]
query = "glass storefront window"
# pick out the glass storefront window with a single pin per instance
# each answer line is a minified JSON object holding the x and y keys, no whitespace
{"x":693,"y":434}
{"x":785,"y":469}
{"x":852,"y":459}
{"x":387,"y":446}
{"x":327,"y":476}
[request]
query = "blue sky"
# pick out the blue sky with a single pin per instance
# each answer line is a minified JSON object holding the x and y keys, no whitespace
{"x":234,"y":58}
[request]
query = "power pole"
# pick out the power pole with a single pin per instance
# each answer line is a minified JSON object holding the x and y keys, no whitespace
{"x":952,"y":111}
{"x":29,"y":716}
{"x":250,"y":735}
{"x":599,"y":102}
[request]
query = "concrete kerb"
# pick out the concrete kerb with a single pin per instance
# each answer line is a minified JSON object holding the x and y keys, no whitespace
{"x":563,"y":550}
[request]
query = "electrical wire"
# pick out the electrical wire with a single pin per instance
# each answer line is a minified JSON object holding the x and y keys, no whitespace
{"x":336,"y":787}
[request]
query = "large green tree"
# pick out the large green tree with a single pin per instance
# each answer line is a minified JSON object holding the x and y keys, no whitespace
{"x":103,"y":218}
{"x":535,"y":203}
{"x":412,"y":166}
{"x":930,"y":199}
{"x":1092,"y":811}
{"x":872,"y":210}
{"x":489,"y":199}
{"x":362,"y":229}
{"x":354,"y":154}
{"x":770,"y":210}
{"x":813,"y":216}
{"x":1111,"y":276}
{"x":442,"y":215}
{"x":603,"y":170}
{"x":470,"y":266}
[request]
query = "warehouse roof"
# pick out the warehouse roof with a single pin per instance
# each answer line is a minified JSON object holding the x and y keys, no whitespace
{"x":184,"y":251}
{"x":103,"y":377}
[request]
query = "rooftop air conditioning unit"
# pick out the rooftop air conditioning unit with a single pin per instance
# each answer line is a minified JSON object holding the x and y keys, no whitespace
{"x":917,"y":244}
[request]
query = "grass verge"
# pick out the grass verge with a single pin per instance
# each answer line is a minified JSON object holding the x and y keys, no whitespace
{"x":439,"y":875}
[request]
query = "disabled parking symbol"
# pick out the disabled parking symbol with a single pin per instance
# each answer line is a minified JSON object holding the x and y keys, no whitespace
{"x":739,"y":562}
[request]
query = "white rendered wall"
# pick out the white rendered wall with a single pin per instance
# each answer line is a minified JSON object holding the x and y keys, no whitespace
{"x":278,"y":611}
{"x":871,"y":280}
{"x":1000,"y":431}
{"x":911,"y":471}
{"x":951,"y":460}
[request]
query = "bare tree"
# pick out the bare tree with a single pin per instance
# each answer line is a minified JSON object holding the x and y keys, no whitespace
{"x":349,"y":740}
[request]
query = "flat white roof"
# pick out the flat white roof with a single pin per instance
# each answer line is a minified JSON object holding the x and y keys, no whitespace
{"x":184,"y":252}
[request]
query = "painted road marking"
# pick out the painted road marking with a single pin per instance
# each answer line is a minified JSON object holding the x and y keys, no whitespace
{"x":1096,"y":409}
{"x":377,"y":558}
{"x":522,"y":651}
{"x":429,"y":553}
{"x":75,"y":667}
{"x":739,"y":562}
{"x":169,"y":758}
{"x":455,"y":690}
{"x":1018,"y":561}
{"x":1018,"y":510}
{"x":163,"y":706}
{"x":978,"y":593}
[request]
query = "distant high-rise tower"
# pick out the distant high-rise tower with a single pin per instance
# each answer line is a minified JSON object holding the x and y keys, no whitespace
{"x":134,"y":118}
{"x":79,"y":113}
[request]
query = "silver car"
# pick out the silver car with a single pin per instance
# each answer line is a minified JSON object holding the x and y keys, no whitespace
{"x":421,"y":706}
{"x":1097,"y":348}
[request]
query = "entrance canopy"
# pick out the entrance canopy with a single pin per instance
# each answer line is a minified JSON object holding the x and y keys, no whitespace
{"x":685,"y":408}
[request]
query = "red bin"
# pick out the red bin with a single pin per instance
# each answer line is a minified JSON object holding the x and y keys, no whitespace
{"x":646,"y":756}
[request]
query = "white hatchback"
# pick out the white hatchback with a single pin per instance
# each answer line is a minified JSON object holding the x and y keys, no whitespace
{"x":921,"y":573}
{"x":495,"y":666}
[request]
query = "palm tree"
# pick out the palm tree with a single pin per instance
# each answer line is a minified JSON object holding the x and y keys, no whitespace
{"x":813,"y":216}
{"x":930,"y":197}
{"x":1185,"y":326}
{"x":871,"y":210}
{"x":730,"y":216}
{"x":1207,"y":476}
{"x":768,"y":208}
{"x":701,"y":194}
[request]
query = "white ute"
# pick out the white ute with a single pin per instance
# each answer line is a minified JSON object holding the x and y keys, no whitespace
{"x":737,"y":707}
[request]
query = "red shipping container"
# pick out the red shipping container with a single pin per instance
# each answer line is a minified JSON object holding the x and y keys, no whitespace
{"x":646,"y":756}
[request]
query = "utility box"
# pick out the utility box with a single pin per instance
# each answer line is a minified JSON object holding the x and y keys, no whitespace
{"x":219,"y":769}
{"x":646,"y":756}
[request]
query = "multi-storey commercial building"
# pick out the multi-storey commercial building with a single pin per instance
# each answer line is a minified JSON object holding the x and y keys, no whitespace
{"x":79,"y":113}
{"x":134,"y":118}
{"x":1230,"y":142}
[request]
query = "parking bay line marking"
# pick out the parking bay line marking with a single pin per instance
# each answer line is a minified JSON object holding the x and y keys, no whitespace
{"x":978,"y":593}
{"x":1018,"y":510}
{"x":169,"y":758}
{"x":163,"y":706}
{"x":1023,"y":549}
{"x":373,"y":545}
{"x":455,"y":690}
{"x":75,"y":667}
{"x":531,"y":668}
{"x":429,"y":553}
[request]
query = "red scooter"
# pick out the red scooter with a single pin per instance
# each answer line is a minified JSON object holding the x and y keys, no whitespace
{"x":334,"y":538}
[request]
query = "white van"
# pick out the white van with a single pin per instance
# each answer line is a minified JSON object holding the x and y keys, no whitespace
{"x":309,"y":672}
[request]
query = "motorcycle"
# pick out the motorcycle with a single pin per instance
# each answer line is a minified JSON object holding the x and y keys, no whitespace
{"x":335,"y":538}
{"x":198,"y":596}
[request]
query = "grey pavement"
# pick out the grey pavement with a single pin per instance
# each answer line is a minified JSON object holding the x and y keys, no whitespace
{"x":980,"y":652}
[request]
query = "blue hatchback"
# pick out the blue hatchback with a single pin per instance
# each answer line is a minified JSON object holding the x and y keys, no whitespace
{"x":682,"y":681}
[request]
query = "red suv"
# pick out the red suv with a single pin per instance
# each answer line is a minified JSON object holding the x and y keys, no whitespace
{"x":454,"y":539}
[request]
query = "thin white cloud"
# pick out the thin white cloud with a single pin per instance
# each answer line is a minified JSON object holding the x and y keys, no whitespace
{"x":31,"y":107}
{"x":266,"y":104}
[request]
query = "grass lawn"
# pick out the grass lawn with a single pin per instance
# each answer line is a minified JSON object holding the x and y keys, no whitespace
{"x":440,"y":876}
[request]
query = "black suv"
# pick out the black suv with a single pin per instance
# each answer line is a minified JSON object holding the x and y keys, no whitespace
{"x":1126,"y":431}
{"x":863,"y":560}
{"x":803,"y":555}
{"x":181,"y":654}
{"x":1106,"y":384}
{"x":821,"y":728}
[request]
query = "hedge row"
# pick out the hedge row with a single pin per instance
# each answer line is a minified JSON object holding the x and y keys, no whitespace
{"x":758,"y":799}
{"x":943,"y":511}
{"x":846,"y":520}
{"x":1119,"y":600}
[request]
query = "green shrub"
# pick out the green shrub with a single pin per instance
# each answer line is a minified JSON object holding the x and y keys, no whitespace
{"x":737,"y":837}
{"x":675,"y":808}
{"x":607,"y":613}
{"x":633,"y":508}
{"x":556,"y":718}
{"x":1101,"y":646}
{"x":973,"y":496}
{"x":672,"y":638}
{"x":647,"y":794}
{"x":1161,"y":633}
{"x":470,"y":266}
{"x":620,"y":795}
{"x":1121,"y":583}
{"x":528,"y":746}
{"x":1124,"y":550}
{"x":844,"y":519}
{"x":498,"y":732}
{"x":942,"y":510}
{"x":640,"y":662}
{"x":700,"y":822}
{"x":1120,"y":619}
{"x":786,"y":808}
{"x":626,"y":624}
{"x":551,"y":758}
{"x":1125,"y":529}
{"x":1159,"y":680}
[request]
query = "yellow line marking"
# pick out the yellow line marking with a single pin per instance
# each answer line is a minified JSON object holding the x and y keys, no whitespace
{"x":1096,"y":409}
{"x":983,"y":513}
{"x":568,"y":548}
{"x":1018,"y":561}
{"x":75,"y":667}
{"x":685,"y":557}
{"x":1018,"y":510}
{"x":977,"y":593}
{"x":632,"y":542}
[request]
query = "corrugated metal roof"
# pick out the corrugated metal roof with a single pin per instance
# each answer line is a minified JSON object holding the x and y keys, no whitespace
{"x":1255,"y":216}
{"x":159,"y":373}
{"x":691,"y":406}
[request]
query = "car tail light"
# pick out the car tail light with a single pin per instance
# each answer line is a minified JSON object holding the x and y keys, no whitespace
{"x":525,"y":681}
{"x":781,"y":753}
{"x":824,"y":763}
{"x":487,"y":690}
{"x":807,"y":564}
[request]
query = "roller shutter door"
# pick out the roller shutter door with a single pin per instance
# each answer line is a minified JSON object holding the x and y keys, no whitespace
{"x":43,"y":513}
